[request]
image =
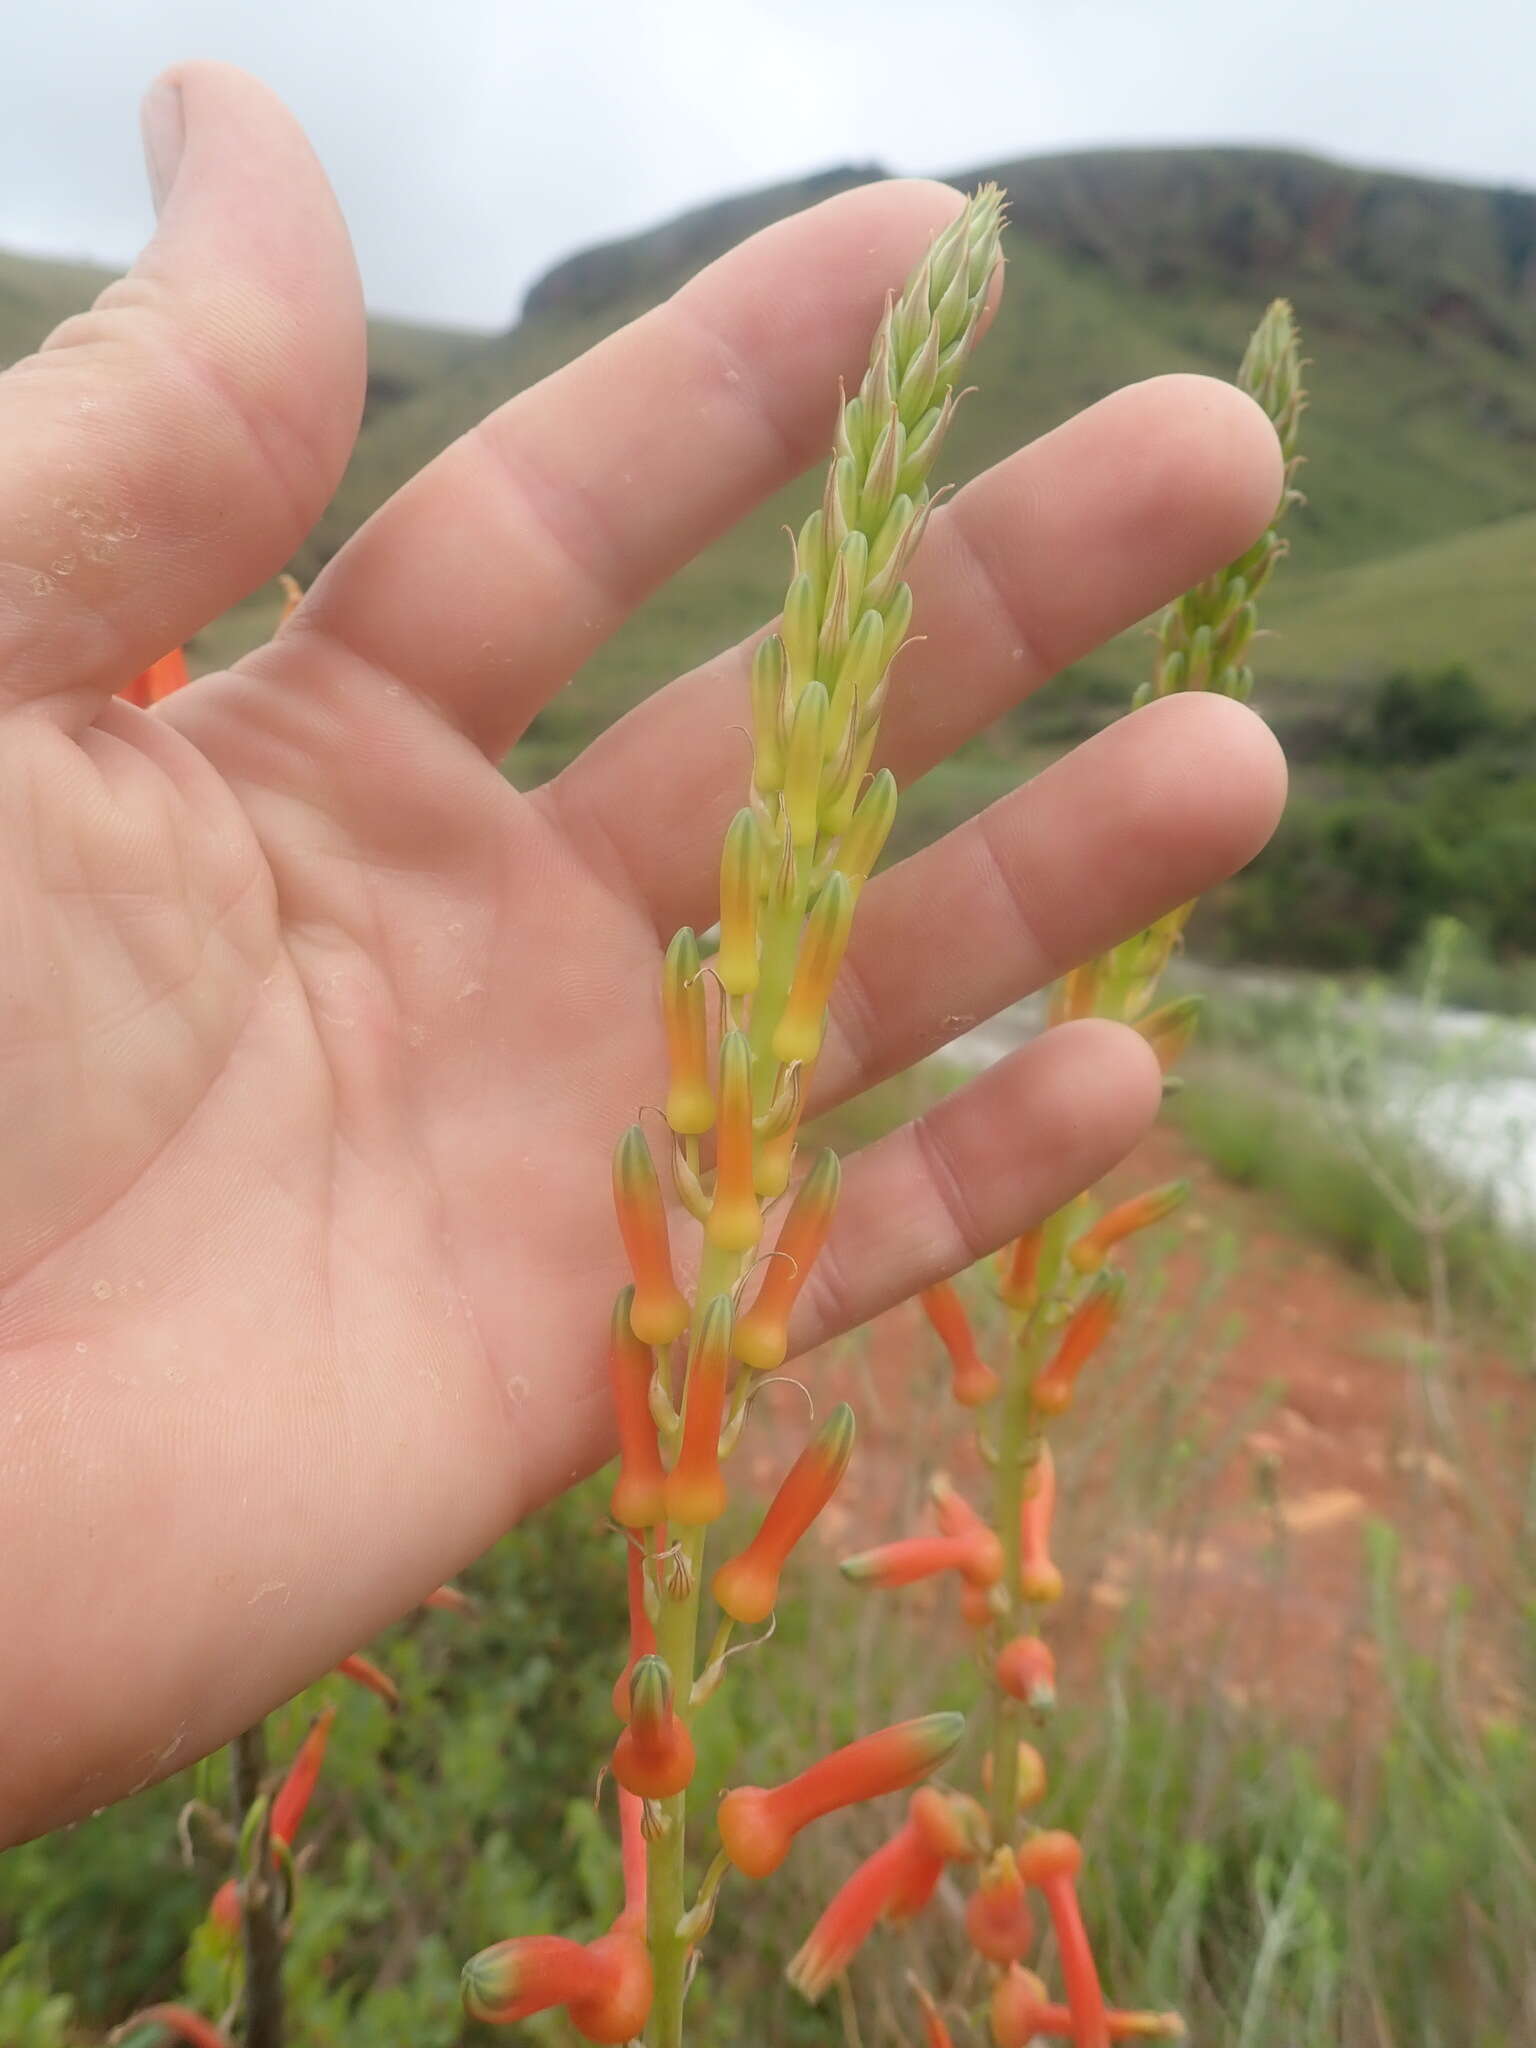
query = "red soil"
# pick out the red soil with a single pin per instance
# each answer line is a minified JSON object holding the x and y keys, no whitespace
{"x":1316,"y":1420}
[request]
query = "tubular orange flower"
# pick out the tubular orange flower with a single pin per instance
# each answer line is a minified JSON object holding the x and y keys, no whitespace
{"x":690,"y":1103}
{"x":639,"y":1493}
{"x":1020,"y":1262}
{"x":642,"y":1630}
{"x":605,"y":1986}
{"x":758,"y":1825}
{"x":740,"y":864}
{"x":978,"y":1558}
{"x":297,"y":1788}
{"x":1094,"y":1246}
{"x":956,"y":1515}
{"x":653,"y":1757}
{"x":659,"y":1312}
{"x":1091,"y":1322}
{"x":935,"y":2033}
{"x":797,"y":1035}
{"x":747,"y":1585}
{"x":1169,"y":1029}
{"x":977,"y":1609}
{"x":1026,"y":1670}
{"x":159,"y":681}
{"x":695,"y":1488}
{"x":1050,"y":1861}
{"x":951,"y":1823}
{"x":179,"y":2023}
{"x":453,"y":1600}
{"x":761,"y":1338}
{"x":735,"y":1222}
{"x":899,"y":1870}
{"x":1021,"y":2013}
{"x":1039,"y":1581}
{"x":368,"y":1675}
{"x":998,"y":1922}
{"x":974,"y":1382}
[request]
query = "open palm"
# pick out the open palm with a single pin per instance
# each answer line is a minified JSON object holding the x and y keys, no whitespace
{"x":315,"y":1036}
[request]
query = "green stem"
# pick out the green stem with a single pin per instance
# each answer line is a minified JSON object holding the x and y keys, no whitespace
{"x":677,"y":1640}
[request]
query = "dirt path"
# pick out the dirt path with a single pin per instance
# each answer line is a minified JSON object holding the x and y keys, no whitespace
{"x":1229,"y":1467}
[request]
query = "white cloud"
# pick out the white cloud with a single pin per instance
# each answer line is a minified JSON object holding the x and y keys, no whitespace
{"x":476,"y":141}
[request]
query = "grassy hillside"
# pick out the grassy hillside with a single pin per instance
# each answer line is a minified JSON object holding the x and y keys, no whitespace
{"x":1418,"y":302}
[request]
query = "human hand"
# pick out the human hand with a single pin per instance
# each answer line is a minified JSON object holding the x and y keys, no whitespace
{"x":316,"y":1036}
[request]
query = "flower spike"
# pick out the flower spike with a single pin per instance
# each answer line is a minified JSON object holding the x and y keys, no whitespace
{"x":757,"y":1826}
{"x":747,"y":1585}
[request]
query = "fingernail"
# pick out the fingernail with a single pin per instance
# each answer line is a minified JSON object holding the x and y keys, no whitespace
{"x":162,"y":123}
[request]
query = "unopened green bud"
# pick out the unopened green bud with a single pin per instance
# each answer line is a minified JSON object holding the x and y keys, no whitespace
{"x":769,"y":670}
{"x":798,"y":630}
{"x":802,"y":772}
{"x":870,"y":827}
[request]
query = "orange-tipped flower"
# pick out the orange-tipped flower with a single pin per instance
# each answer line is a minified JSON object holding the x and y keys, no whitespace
{"x":1026,"y":1670}
{"x":639,"y":1492}
{"x":757,"y":1826}
{"x":998,"y":1922}
{"x":157,"y":682}
{"x":935,"y":2033}
{"x":368,"y":1675}
{"x":956,"y":1515}
{"x":1091,"y":1322}
{"x":1169,"y":1029}
{"x":747,"y":1585}
{"x":605,"y":1986}
{"x":1021,"y":2013}
{"x":736,"y":960}
{"x":761,"y":1338}
{"x":1095,"y":1245}
{"x":1021,"y":1261}
{"x":1040,"y":1580}
{"x":690,"y":1101}
{"x":952,"y":1823}
{"x":797,"y":1036}
{"x":1050,"y":1861}
{"x":978,"y":1558}
{"x":974,"y":1381}
{"x":735,"y":1222}
{"x":653,"y":1757}
{"x":695,"y":1488}
{"x":642,"y":1630}
{"x":177,"y":2023}
{"x":659,"y":1313}
{"x":297,"y":1788}
{"x":453,"y":1600}
{"x":899,"y":1870}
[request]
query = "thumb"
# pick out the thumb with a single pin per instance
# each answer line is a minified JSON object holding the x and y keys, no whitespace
{"x":167,"y":451}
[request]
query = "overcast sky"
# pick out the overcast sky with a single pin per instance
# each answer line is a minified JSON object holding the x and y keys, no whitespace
{"x":473,"y":142}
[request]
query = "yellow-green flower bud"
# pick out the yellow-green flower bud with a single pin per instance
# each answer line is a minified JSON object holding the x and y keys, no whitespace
{"x":798,"y":629}
{"x":690,"y":1105}
{"x":735,"y":1221}
{"x":799,"y":1030}
{"x":769,"y":669}
{"x":864,"y":841}
{"x":802,"y":772}
{"x":736,"y":961}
